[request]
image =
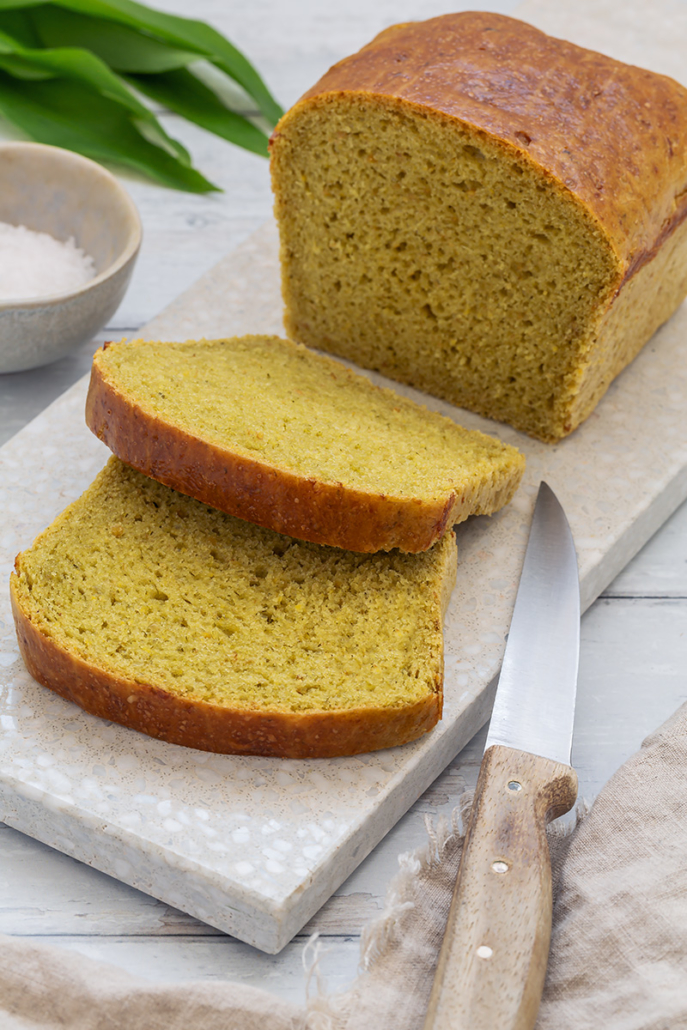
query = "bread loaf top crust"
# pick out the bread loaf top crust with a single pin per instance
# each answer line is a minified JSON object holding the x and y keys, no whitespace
{"x":611,"y":134}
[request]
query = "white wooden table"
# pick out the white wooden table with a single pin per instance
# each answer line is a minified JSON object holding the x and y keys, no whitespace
{"x":634,"y":639}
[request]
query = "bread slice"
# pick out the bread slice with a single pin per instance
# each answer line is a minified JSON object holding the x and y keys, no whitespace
{"x":492,"y":215}
{"x":273,"y":433}
{"x":148,"y":608}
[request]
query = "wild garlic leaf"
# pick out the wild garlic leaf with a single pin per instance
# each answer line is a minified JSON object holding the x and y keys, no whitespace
{"x":12,"y":5}
{"x":72,"y":115}
{"x":84,"y":67}
{"x":97,"y":43}
{"x":22,"y":69}
{"x":19,"y":25}
{"x":185,"y":33}
{"x":182,"y":92}
{"x":121,"y":47}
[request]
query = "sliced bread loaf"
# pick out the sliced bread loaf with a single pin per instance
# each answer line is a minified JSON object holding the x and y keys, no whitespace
{"x":271,"y":432}
{"x":146,"y":607}
{"x":487,"y":213}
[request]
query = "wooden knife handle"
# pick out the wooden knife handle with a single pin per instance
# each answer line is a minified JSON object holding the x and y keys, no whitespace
{"x":492,"y":964}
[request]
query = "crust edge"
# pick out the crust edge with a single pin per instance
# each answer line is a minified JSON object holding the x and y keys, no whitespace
{"x":206,"y":727}
{"x":307,"y":509}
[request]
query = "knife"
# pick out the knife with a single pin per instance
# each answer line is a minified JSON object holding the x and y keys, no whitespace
{"x":491,"y":968}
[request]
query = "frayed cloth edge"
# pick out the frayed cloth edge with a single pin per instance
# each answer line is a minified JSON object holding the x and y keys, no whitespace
{"x":331,"y":1011}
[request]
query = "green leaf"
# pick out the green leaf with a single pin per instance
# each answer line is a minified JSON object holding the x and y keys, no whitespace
{"x":122,"y":48}
{"x":68,"y":114}
{"x":64,"y":38}
{"x":84,"y":67}
{"x":18,"y":24}
{"x":22,"y":69}
{"x":185,"y":33}
{"x":14,"y":5}
{"x":182,"y":92}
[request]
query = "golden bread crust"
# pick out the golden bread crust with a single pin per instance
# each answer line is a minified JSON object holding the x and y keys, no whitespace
{"x":612,"y":135}
{"x":460,"y":104}
{"x":638,"y":310}
{"x":270,"y":496}
{"x":208,"y":727}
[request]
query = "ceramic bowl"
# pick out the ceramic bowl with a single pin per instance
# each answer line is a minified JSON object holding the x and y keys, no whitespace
{"x":55,"y":191}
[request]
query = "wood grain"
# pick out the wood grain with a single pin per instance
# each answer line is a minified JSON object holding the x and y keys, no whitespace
{"x":493,"y":961}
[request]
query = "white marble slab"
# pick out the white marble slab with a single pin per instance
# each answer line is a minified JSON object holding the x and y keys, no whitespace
{"x":254,"y":846}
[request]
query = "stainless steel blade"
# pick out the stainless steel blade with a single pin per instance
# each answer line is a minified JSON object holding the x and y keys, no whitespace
{"x":535,"y":700}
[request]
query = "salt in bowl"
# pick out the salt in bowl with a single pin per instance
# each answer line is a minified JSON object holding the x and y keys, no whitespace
{"x":51,"y":190}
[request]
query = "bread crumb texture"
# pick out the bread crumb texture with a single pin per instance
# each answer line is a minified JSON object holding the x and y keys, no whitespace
{"x":416,"y":248}
{"x":458,"y":209}
{"x":156,"y":588}
{"x":264,"y":398}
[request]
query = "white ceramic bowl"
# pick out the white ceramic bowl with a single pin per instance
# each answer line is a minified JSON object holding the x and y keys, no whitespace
{"x":55,"y":191}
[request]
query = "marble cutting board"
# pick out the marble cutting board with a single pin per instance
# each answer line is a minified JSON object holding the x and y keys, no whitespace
{"x":254,"y":846}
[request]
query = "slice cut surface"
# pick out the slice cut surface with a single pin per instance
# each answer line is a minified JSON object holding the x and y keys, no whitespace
{"x":458,"y":210}
{"x":149,"y":608}
{"x":271,"y":432}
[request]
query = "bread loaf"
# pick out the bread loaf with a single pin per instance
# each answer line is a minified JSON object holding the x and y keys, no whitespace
{"x":273,"y":433}
{"x":490,"y":214}
{"x":148,"y":608}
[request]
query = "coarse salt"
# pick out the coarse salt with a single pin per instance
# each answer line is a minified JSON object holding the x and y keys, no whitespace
{"x":35,"y":264}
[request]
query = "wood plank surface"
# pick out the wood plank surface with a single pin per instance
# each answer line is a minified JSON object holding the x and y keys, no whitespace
{"x":634,"y":643}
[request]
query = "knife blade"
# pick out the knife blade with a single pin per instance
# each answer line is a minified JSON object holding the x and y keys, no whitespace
{"x":490,"y":973}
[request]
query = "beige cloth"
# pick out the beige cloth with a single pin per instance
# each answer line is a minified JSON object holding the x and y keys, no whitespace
{"x":618,"y":955}
{"x":619,"y":946}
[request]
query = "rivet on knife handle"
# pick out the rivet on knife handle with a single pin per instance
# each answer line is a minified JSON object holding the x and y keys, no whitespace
{"x":492,"y":964}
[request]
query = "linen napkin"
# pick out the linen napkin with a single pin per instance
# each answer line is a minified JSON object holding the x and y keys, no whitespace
{"x":618,"y":952}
